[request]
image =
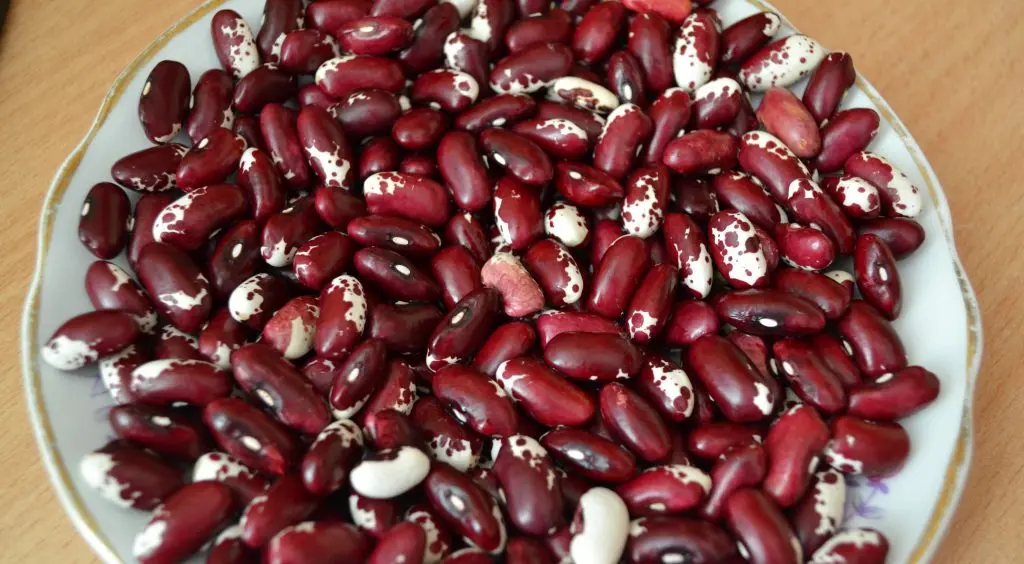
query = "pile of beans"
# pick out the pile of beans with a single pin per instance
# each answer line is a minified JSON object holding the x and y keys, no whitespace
{"x":493,"y":280}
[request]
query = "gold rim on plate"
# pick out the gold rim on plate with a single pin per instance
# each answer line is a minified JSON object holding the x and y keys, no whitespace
{"x":955,"y":474}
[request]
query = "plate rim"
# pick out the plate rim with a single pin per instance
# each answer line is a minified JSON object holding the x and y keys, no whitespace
{"x":955,"y":474}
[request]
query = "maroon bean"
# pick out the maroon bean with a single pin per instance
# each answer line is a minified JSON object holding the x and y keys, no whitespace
{"x":903,"y":236}
{"x":396,"y":392}
{"x":828,"y":85}
{"x":111,"y":288}
{"x":188,"y":222}
{"x":445,"y":438}
{"x":555,"y":26}
{"x":164,"y":431}
{"x":367,"y":112}
{"x":593,"y":356}
{"x":325,"y":148}
{"x":263,"y":373}
{"x":129,"y":477}
{"x":745,"y":121}
{"x":582,"y":93}
{"x":262,"y":182}
{"x":761,"y":528}
{"x":374,"y":516}
{"x":649,"y":42}
{"x":717,"y":103}
{"x":149,"y":170}
{"x":313,"y":95}
{"x":419,"y":128}
{"x":589,"y":455}
{"x":669,"y":114}
{"x":526,"y":550}
{"x":234,"y":43}
{"x":278,"y":125}
{"x":220,"y":337}
{"x":894,"y":396}
{"x":104,"y":221}
{"x":375,"y":35}
{"x":586,"y":186}
{"x":466,"y":508}
{"x":249,"y":434}
{"x":211,"y":105}
{"x":463,"y":170}
{"x":784,"y":116}
{"x":648,"y":310}
{"x":319,"y":542}
{"x":671,"y":11}
{"x":854,"y":545}
{"x":701,"y":152}
{"x":693,"y":196}
{"x":286,"y":231}
{"x":546,"y":396}
{"x":344,"y":75}
{"x":456,"y":272}
{"x":445,"y":89}
{"x":496,"y":111}
{"x":556,"y":271}
{"x":550,"y":324}
{"x":804,"y":247}
{"x":405,"y":542}
{"x":328,"y":15}
{"x":739,"y":466}
{"x":172,"y":344}
{"x":877,"y":276}
{"x":632,"y":420}
{"x":211,"y":161}
{"x":855,"y":196}
{"x":867,"y":448}
{"x":184,"y":523}
{"x":427,"y":49}
{"x":412,"y":197}
{"x":769,"y":312}
{"x":651,"y":540}
{"x":394,"y":233}
{"x":558,"y":137}
{"x":793,"y":445}
{"x":476,"y":400}
{"x":710,"y":440}
{"x":280,"y":17}
{"x":439,"y":539}
{"x":230,"y":471}
{"x":179,"y":289}
{"x":736,"y":250}
{"x":321,"y":373}
{"x":395,"y":275}
{"x":520,"y":157}
{"x":746,"y":37}
{"x":832,"y":352}
{"x":248,"y":127}
{"x":689,"y":321}
{"x":465,"y":230}
{"x":405,"y":9}
{"x":358,"y":377}
{"x":335,"y":451}
{"x":589,"y":122}
{"x":464,"y":53}
{"x":530,"y":69}
{"x":847,"y":133}
{"x":304,"y":50}
{"x":266,"y":84}
{"x":464,"y":329}
{"x":667,"y":387}
{"x":234,"y":258}
{"x":688,"y":253}
{"x":622,"y":138}
{"x":745,"y":194}
{"x":768,"y":159}
{"x":872,"y":342}
{"x":342,"y":317}
{"x":322,"y":258}
{"x":665,"y":490}
{"x":391,"y":429}
{"x":285,"y":503}
{"x":597,"y":32}
{"x":530,"y":487}
{"x":506,"y":342}
{"x":816,"y":288}
{"x":739,"y":390}
{"x":166,"y":381}
{"x":517,"y":214}
{"x":810,"y":205}
{"x":164,"y":103}
{"x":617,"y":277}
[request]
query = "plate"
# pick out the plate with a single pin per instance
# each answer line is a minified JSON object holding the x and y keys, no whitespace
{"x":940,"y":323}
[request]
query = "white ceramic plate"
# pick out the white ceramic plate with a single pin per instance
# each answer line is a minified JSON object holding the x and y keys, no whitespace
{"x":940,"y":323}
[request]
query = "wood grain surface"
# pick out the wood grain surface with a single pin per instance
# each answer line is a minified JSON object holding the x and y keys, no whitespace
{"x":951,"y":70}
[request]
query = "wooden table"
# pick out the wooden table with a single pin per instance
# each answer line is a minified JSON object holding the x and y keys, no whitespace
{"x":950,"y":70}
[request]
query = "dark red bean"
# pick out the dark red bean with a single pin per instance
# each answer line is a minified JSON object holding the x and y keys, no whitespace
{"x":164,"y":431}
{"x":701,"y":152}
{"x":589,"y":455}
{"x":313,"y":95}
{"x":553,"y":323}
{"x":234,"y":258}
{"x":404,"y":327}
{"x":617,"y":276}
{"x":593,"y":356}
{"x":290,"y":330}
{"x":555,"y":26}
{"x":854,"y":545}
{"x":466,"y":508}
{"x":456,"y":272}
{"x":322,"y":258}
{"x":531,"y":490}
{"x":279,"y":127}
{"x":246,"y":432}
{"x":405,"y":542}
{"x":164,"y":103}
{"x":188,"y":222}
{"x":761,"y":528}
{"x":793,"y":445}
{"x":248,"y":127}
{"x":304,"y":50}
{"x":221,"y":467}
{"x":894,"y":396}
{"x":262,"y":182}
{"x":828,"y":85}
{"x":419,"y":128}
{"x":285,"y":503}
{"x":530,"y":69}
{"x":742,"y":465}
{"x":820,"y":513}
{"x":649,"y":42}
{"x":234,"y":43}
{"x":211,"y":105}
{"x":221,"y":336}
{"x":263,"y":373}
{"x":669,"y":115}
{"x":597,"y":32}
{"x":632,"y":420}
{"x":710,"y":440}
{"x":211,"y":161}
{"x":366,"y":112}
{"x":446,"y":439}
{"x":344,"y":75}
{"x":319,"y":542}
{"x":395,"y":275}
{"x":464,"y":329}
{"x":335,"y":451}
{"x":769,"y":312}
{"x":739,"y":390}
{"x":111,"y":288}
{"x":412,"y":197}
{"x":170,"y":344}
{"x":178,"y":288}
{"x":129,"y":477}
{"x":286,"y":231}
{"x":902,"y":235}
{"x":328,"y":15}
{"x":460,"y":162}
{"x":878,"y":278}
{"x":649,"y":308}
{"x":475,"y":400}
{"x":717,"y":103}
{"x":867,"y":448}
{"x":623,"y":137}
{"x":149,"y":170}
{"x":325,"y":148}
{"x":266,"y":84}
{"x":783,"y":115}
{"x":689,"y":321}
{"x":445,"y":89}
{"x":654,"y":539}
{"x":506,"y":342}
{"x":280,"y":17}
{"x":742,"y":39}
{"x":375,"y":35}
{"x":104,"y":221}
{"x":765,"y":157}
{"x":520,"y":157}
{"x":846,"y":133}
{"x":427,"y":49}
{"x":184,"y":523}
{"x":546,"y":396}
{"x":496,"y":111}
{"x":872,"y":342}
{"x":899,"y":195}
{"x":342,"y":317}
{"x":745,"y":194}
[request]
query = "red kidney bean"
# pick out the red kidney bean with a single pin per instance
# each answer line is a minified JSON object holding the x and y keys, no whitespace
{"x":530,"y":69}
{"x":184,"y":523}
{"x":280,"y":17}
{"x":325,"y":148}
{"x":710,"y":440}
{"x":419,"y":165}
{"x":739,"y":466}
{"x":463,"y":170}
{"x":736,"y":250}
{"x":688,"y":253}
{"x":550,"y":324}
{"x":164,"y":103}
{"x":832,"y":352}
{"x":444,"y":89}
{"x":520,"y":157}
{"x":391,"y":429}
{"x":768,"y":159}
{"x":258,"y":175}
{"x":469,"y":555}
{"x":149,"y":170}
{"x":303,"y":51}
{"x":447,"y":440}
{"x":747,"y":195}
{"x":694,"y":197}
{"x":166,"y":381}
{"x":649,"y":42}
{"x":322,"y":258}
{"x":475,"y":400}
{"x":439,"y":539}
{"x":405,"y":9}
{"x":389,"y":473}
{"x":532,"y":492}
{"x":867,"y":448}
{"x":555,"y":26}
{"x":556,"y":271}
{"x":172,"y":344}
{"x":279,"y":127}
{"x":412,"y":197}
{"x":466,"y":231}
{"x":520,"y":293}
{"x":593,"y":356}
{"x":344,"y":75}
{"x":903,"y":236}
{"x":635,"y":422}
{"x":374,"y":516}
{"x":505,"y":342}
{"x":164,"y":431}
{"x":464,"y":329}
{"x":211,"y":161}
{"x":405,"y":542}
{"x":211,"y":105}
{"x":744,"y":38}
{"x":665,"y":490}
{"x":717,"y":103}
{"x":828,"y":85}
{"x":466,"y":508}
{"x":394,"y":233}
{"x":234,"y":258}
{"x":649,"y":308}
{"x":847,"y":133}
{"x":737,"y":387}
{"x":669,"y":114}
{"x":769,"y":312}
{"x":286,"y":231}
{"x":781,"y":63}
{"x":337,"y":207}
{"x":617,"y":276}
{"x":783,"y":115}
{"x":221,"y":336}
{"x":894,"y":396}
{"x":855,"y":196}
{"x":526,"y":550}
{"x":689,"y":321}
{"x":342,"y":317}
{"x":557,"y":136}
{"x":853,"y":545}
{"x":427,"y":49}
{"x":266,"y":84}
{"x":655,"y":539}
{"x":877,"y":276}
{"x":674,"y":12}
{"x":104,"y":222}
{"x":246,"y":432}
{"x":180,"y":291}
{"x":587,"y":186}
{"x":589,"y":122}
{"x":395,"y":275}
{"x":467,"y":54}
{"x":234,"y":43}
{"x":820,"y":513}
{"x":335,"y":451}
{"x":496,"y":111}
{"x":583,"y":94}
{"x":318,"y":542}
{"x":358,"y":377}
{"x":517,"y":214}
{"x":313,"y":95}
{"x":230,"y":471}
{"x":761,"y":528}
{"x":589,"y":455}
{"x":188,"y":222}
{"x":804,"y":247}
{"x":248,"y":127}
{"x":378,"y":154}
{"x":263,"y":373}
{"x":622,"y":138}
{"x":419,"y":129}
{"x":600,"y":527}
{"x":819,"y":289}
{"x":321,"y":373}
{"x":701,"y":152}
{"x":456,"y":272}
{"x":375,"y":35}
{"x":810,"y":205}
{"x":868,"y":337}
{"x":285,"y":503}
{"x":111,"y":288}
{"x":546,"y":396}
{"x":793,"y":444}
{"x":597,"y":32}
{"x":129,"y":477}
{"x":397,"y":391}
{"x":695,"y":52}
{"x":367,"y":112}
{"x":255,"y":300}
{"x":328,"y":15}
